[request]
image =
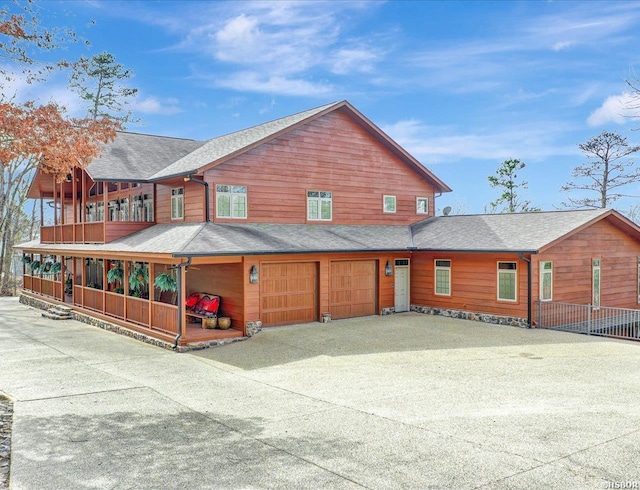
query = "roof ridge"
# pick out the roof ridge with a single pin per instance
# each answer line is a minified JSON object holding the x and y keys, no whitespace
{"x":136,"y":133}
{"x":201,"y":151}
{"x":319,"y":108}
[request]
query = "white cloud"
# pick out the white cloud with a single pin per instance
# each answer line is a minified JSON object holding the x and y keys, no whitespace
{"x":487,"y":63}
{"x":153,"y":105}
{"x":348,"y":60}
{"x":437,"y":144}
{"x":560,"y":45}
{"x":273,"y":85}
{"x":274,"y":47}
{"x":615,"y":109}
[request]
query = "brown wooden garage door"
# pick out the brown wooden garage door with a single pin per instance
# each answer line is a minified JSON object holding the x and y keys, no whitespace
{"x":353,"y":288}
{"x":288,"y":293}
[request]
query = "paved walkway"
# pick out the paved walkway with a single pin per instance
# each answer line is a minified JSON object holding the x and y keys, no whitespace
{"x":408,"y":401}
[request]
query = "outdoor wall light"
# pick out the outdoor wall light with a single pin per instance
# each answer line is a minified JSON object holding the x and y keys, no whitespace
{"x":253,"y":275}
{"x":387,"y":269}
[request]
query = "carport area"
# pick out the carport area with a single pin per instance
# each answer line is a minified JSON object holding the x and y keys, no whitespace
{"x":404,"y":401}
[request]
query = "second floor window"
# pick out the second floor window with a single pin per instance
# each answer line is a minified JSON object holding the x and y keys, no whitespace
{"x":100,"y":211}
{"x":319,"y":206}
{"x":147,"y":205}
{"x":389,"y":204}
{"x":136,"y":208}
{"x":177,"y":203}
{"x":114,"y":210}
{"x":231,"y":201}
{"x":422,"y":205}
{"x":124,"y":209}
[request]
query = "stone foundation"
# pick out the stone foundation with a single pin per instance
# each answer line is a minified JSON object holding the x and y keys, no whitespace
{"x":253,"y":328}
{"x":388,"y":311}
{"x":141,"y":337}
{"x":469,"y":315}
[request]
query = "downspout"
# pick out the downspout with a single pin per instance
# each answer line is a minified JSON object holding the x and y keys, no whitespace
{"x":529,"y":298}
{"x":206,"y":194}
{"x":180,"y":300}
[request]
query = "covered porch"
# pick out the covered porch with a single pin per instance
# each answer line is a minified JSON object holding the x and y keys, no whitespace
{"x":143,"y":293}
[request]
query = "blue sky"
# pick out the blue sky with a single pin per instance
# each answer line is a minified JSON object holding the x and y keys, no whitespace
{"x":461,"y":85}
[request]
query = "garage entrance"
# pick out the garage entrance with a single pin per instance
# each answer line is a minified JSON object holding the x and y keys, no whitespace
{"x":352,"y":288}
{"x":289,"y":293}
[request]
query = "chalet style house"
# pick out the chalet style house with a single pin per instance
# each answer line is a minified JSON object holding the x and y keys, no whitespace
{"x":315,"y":216}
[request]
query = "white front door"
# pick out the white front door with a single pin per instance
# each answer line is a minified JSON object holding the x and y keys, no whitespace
{"x":402,"y":286}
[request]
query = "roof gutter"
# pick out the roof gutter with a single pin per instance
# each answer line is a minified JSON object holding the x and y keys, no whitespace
{"x":191,"y":178}
{"x":180,"y":301}
{"x":529,"y":293}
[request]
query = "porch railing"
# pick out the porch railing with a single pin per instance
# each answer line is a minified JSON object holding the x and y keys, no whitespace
{"x":620,"y":323}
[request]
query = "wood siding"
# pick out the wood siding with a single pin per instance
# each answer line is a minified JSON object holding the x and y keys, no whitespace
{"x":473,"y":283}
{"x":224,"y":280}
{"x":384,"y":292}
{"x":352,"y":288}
{"x":618,"y":253}
{"x":331,"y":153}
{"x":193,"y":201}
{"x":289,"y":293}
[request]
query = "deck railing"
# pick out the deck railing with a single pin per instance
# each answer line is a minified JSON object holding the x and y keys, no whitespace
{"x":114,"y":304}
{"x":164,"y":317}
{"x":138,"y":311}
{"x":93,"y":298}
{"x":621,"y":323}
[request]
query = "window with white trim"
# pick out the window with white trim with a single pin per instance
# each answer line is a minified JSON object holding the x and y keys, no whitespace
{"x":114,"y":210}
{"x":595,"y":283}
{"x":124,"y":209}
{"x":389,"y":204}
{"x":147,"y":205}
{"x":507,"y":281}
{"x":443,"y":277}
{"x":546,"y":281}
{"x":231,"y":201}
{"x":177,"y":203}
{"x":136,"y":208}
{"x":319,"y":206}
{"x":638,"y":280}
{"x":422,"y":205}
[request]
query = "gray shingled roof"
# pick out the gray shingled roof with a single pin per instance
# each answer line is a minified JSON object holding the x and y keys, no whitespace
{"x":157,"y":239}
{"x":241,"y":239}
{"x":218,"y":239}
{"x":133,"y":156}
{"x":229,"y":144}
{"x":528,"y":232}
{"x":517,"y":232}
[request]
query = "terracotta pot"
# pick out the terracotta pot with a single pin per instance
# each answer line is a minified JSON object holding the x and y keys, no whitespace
{"x":224,"y":322}
{"x":209,"y":322}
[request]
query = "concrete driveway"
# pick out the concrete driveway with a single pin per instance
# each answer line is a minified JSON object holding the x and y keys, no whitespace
{"x":407,"y":401}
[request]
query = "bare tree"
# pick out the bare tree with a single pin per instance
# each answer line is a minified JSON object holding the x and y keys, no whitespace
{"x":507,"y":178}
{"x":607,"y":169}
{"x":633,"y":104}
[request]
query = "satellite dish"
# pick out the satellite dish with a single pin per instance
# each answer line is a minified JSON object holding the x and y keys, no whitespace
{"x":446,"y":211}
